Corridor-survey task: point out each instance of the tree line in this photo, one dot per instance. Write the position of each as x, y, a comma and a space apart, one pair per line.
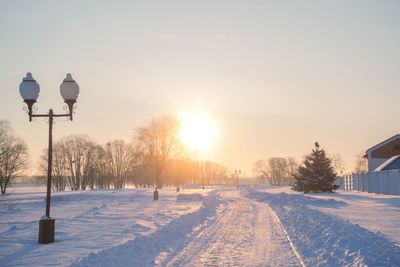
282, 171
80, 164
155, 157
276, 170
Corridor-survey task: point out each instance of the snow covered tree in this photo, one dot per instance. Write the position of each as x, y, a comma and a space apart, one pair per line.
316, 174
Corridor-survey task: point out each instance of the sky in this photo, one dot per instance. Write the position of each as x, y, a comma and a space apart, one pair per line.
275, 76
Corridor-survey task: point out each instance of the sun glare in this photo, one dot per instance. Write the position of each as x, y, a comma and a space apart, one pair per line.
198, 131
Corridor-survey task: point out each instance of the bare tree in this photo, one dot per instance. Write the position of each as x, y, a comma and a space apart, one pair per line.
260, 169
292, 166
120, 159
59, 175
13, 156
101, 174
276, 170
338, 163
159, 143
360, 164
74, 161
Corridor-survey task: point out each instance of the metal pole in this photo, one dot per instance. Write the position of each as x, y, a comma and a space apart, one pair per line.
50, 161
47, 225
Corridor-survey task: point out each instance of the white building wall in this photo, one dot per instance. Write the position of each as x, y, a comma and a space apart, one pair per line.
374, 163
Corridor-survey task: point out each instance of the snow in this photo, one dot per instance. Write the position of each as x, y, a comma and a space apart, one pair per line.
252, 226
190, 197
332, 237
245, 233
376, 212
87, 222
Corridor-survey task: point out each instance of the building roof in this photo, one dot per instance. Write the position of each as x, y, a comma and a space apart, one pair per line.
383, 166
385, 142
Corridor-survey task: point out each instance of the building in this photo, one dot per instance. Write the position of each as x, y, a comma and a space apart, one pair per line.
385, 155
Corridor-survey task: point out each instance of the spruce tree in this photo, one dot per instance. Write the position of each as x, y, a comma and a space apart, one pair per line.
316, 174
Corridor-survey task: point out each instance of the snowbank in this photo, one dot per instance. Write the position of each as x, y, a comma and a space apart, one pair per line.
87, 222
152, 249
324, 239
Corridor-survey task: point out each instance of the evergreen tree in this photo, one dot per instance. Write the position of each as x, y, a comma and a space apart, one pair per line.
316, 174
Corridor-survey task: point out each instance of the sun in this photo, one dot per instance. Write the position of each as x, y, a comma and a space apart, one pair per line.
197, 131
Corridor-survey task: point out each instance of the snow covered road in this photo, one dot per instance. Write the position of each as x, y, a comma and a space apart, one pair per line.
219, 226
245, 233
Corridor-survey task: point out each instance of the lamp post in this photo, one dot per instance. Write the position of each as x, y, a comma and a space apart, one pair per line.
237, 172
29, 90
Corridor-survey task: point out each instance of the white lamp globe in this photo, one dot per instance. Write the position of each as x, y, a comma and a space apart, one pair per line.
29, 89
69, 89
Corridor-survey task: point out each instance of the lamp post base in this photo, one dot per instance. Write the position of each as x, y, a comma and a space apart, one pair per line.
46, 231
155, 195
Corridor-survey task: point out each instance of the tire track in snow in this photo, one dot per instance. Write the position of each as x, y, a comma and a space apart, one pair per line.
246, 233
144, 250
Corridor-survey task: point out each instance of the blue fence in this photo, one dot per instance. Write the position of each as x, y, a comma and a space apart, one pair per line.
385, 182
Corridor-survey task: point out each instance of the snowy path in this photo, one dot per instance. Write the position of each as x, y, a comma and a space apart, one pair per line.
246, 233
219, 226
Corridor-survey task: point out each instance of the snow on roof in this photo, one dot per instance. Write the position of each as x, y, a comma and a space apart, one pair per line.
394, 137
387, 163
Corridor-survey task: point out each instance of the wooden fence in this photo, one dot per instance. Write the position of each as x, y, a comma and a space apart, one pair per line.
385, 182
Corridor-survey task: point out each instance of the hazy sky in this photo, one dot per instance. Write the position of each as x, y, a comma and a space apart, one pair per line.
275, 75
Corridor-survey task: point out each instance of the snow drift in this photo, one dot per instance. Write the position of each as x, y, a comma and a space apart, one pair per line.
326, 240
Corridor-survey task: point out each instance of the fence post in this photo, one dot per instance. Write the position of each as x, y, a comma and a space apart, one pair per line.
355, 182
397, 183
364, 182
387, 183
376, 183
380, 182
392, 182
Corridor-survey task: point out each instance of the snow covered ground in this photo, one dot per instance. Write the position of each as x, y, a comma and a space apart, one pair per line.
245, 233
86, 222
376, 212
340, 229
221, 226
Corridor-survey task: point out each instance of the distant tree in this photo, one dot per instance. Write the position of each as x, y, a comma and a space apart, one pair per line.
292, 166
13, 156
59, 168
360, 164
74, 159
260, 170
276, 170
337, 162
158, 143
316, 174
120, 159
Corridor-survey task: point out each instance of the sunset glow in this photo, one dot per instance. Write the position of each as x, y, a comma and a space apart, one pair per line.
198, 131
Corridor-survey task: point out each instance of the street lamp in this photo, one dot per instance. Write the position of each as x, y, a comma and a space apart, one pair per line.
29, 90
237, 172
